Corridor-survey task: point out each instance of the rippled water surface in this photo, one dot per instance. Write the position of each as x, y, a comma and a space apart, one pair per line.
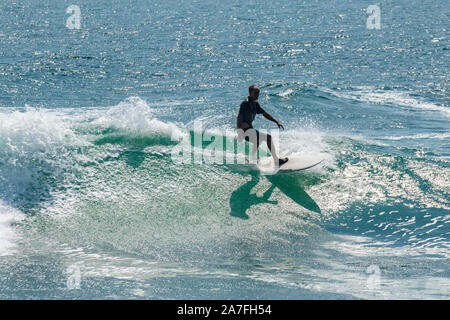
93, 206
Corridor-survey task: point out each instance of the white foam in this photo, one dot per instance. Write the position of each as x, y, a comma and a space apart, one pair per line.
440, 136
32, 137
135, 117
374, 180
31, 140
8, 236
392, 97
34, 129
305, 142
286, 93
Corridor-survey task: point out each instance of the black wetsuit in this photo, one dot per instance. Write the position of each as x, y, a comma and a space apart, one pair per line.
247, 112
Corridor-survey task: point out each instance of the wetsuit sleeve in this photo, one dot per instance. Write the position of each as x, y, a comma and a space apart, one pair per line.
259, 109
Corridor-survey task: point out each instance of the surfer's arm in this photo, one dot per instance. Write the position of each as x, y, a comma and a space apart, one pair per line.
269, 117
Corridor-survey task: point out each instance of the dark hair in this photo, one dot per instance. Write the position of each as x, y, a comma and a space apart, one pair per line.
252, 88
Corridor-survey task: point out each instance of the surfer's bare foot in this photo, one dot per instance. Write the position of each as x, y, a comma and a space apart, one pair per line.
282, 161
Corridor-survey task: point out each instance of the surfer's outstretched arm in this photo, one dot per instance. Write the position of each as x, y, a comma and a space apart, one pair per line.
269, 117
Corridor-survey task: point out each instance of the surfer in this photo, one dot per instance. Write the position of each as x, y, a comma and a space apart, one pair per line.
247, 112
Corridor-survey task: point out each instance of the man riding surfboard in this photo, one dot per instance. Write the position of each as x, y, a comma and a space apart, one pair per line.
247, 112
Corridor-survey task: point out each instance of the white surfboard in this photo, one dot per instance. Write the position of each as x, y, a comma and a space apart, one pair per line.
295, 163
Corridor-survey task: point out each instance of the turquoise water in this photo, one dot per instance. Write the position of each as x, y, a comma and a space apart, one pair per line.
93, 206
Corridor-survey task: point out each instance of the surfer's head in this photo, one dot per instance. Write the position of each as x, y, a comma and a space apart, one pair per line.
253, 92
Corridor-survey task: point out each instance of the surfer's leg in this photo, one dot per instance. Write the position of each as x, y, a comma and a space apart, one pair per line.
271, 147
253, 136
256, 143
255, 148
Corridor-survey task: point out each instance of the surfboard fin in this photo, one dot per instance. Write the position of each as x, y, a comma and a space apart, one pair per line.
282, 161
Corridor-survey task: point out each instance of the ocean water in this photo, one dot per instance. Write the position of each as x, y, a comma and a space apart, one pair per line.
92, 205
